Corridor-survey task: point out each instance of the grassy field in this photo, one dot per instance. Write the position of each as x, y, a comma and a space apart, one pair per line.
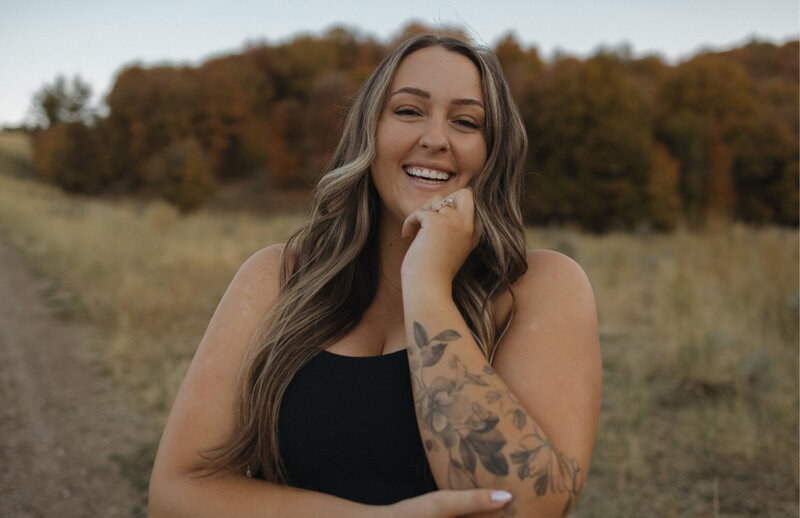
15, 153
699, 334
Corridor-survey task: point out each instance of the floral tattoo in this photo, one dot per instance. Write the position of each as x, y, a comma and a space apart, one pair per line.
466, 427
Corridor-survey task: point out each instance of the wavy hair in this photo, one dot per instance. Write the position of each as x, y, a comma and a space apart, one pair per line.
330, 266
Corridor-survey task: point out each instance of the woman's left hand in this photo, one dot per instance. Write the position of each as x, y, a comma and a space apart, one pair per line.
444, 234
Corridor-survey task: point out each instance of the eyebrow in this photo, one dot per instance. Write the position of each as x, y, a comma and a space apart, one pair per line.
426, 95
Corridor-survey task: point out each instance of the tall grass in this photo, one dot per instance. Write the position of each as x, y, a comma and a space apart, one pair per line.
699, 333
700, 349
149, 277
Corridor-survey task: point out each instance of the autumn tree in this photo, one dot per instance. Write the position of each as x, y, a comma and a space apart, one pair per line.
181, 175
591, 146
71, 155
663, 197
615, 141
702, 104
737, 154
523, 69
149, 110
324, 112
282, 137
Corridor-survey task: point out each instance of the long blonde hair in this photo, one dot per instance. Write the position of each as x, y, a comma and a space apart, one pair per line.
330, 266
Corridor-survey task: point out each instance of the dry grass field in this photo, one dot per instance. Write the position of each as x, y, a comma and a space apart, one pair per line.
699, 335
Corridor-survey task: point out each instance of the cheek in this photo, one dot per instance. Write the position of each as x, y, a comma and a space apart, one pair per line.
478, 157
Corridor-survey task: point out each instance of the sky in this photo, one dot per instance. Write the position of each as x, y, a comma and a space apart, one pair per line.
95, 39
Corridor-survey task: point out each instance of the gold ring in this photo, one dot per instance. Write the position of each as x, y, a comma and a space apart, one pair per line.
447, 202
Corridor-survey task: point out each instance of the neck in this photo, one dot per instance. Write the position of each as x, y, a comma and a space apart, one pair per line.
393, 249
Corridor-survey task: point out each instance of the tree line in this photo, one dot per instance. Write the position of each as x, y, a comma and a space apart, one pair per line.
616, 142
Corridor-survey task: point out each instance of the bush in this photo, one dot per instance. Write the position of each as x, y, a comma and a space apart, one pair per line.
70, 156
181, 175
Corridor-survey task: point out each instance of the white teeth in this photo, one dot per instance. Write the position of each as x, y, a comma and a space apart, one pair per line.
427, 173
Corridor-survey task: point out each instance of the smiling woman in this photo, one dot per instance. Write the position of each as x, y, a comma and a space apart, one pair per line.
402, 355
430, 138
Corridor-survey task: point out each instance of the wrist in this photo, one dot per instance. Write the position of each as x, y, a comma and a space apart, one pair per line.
430, 286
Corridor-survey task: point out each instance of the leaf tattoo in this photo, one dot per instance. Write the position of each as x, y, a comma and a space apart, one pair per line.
420, 336
467, 455
432, 354
519, 418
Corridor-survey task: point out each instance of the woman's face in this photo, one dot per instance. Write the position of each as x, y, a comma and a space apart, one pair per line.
430, 133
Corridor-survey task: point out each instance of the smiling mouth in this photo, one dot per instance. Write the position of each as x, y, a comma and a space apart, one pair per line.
431, 176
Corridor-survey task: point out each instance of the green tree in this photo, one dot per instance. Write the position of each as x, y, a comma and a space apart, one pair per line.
62, 101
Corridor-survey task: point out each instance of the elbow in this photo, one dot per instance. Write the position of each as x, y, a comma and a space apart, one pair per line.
528, 503
167, 492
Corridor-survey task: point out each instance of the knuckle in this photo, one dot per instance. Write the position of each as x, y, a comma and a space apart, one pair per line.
478, 498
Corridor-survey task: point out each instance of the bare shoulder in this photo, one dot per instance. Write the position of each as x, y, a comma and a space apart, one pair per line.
554, 310
555, 281
248, 299
258, 278
549, 265
263, 265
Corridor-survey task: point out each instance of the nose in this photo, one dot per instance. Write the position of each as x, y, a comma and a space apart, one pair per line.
434, 135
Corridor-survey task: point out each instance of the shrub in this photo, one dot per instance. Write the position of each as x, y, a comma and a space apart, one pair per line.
181, 175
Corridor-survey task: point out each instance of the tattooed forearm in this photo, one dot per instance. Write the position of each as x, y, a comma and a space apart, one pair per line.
460, 411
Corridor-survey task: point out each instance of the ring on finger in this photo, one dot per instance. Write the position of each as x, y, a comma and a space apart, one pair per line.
447, 202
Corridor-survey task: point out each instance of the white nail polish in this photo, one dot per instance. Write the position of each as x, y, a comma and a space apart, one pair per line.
501, 496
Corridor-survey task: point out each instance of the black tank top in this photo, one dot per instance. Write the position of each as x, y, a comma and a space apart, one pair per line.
347, 427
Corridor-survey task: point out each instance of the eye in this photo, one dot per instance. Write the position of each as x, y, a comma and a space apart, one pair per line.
467, 123
406, 110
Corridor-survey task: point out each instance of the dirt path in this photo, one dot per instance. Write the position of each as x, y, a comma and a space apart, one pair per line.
62, 420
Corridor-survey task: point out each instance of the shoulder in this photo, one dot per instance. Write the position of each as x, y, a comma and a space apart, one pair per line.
553, 304
247, 301
263, 268
257, 282
549, 263
554, 280
265, 262
553, 335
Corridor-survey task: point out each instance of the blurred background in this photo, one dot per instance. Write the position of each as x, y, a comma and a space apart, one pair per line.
148, 148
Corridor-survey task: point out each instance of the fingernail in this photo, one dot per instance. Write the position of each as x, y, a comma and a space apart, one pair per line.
501, 496
470, 188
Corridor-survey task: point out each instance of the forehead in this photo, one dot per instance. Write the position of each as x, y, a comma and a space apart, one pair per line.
441, 72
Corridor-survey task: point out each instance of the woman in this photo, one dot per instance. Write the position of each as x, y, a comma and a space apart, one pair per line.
403, 340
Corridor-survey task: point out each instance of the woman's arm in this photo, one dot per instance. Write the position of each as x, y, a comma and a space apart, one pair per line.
527, 423
203, 417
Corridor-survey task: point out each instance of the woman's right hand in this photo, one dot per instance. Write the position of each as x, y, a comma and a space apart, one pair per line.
449, 503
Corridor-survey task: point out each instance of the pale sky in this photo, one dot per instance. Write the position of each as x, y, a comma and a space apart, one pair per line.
96, 38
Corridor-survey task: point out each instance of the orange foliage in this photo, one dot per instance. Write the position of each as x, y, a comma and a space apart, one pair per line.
615, 142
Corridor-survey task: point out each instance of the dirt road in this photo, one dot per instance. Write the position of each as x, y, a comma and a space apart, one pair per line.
63, 422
